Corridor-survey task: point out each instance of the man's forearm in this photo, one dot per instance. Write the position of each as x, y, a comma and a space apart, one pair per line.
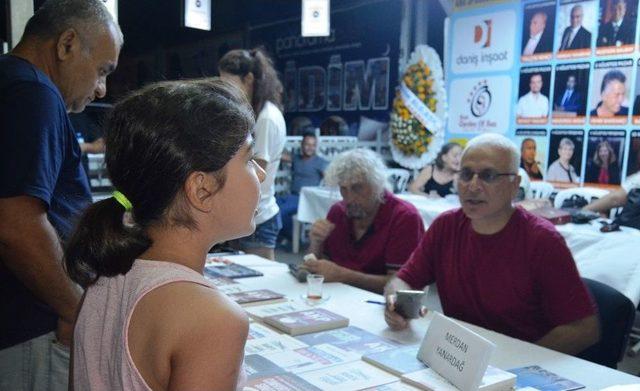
35, 257
371, 282
93, 147
572, 338
614, 199
316, 248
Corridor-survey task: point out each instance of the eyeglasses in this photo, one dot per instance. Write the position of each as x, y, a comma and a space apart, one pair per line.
486, 176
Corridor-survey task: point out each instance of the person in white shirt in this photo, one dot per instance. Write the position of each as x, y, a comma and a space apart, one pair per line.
561, 170
533, 104
253, 72
536, 41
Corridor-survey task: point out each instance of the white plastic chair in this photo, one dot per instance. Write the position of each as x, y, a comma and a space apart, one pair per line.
399, 179
541, 190
525, 183
589, 194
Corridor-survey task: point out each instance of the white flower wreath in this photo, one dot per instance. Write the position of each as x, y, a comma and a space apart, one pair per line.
412, 122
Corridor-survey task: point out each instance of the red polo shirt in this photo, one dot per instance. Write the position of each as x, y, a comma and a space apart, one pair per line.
521, 281
393, 235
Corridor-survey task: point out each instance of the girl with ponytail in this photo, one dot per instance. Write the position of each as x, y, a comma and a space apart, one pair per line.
253, 72
180, 156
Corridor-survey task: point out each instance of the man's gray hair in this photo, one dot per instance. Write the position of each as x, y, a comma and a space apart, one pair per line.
358, 165
56, 16
496, 141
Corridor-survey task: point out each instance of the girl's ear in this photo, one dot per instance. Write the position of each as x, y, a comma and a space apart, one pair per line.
199, 189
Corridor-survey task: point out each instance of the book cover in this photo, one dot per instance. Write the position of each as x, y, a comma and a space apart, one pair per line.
261, 312
231, 270
257, 296
543, 380
220, 281
257, 331
282, 382
311, 358
351, 338
398, 361
494, 379
276, 343
227, 285
308, 321
356, 375
256, 366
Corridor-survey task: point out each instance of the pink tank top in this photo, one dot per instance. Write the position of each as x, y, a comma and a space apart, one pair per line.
101, 357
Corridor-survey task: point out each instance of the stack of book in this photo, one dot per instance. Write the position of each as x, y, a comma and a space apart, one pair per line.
306, 321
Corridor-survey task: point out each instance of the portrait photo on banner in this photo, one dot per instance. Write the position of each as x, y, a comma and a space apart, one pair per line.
577, 22
565, 155
533, 146
533, 95
605, 154
538, 33
633, 164
570, 92
610, 89
635, 113
617, 27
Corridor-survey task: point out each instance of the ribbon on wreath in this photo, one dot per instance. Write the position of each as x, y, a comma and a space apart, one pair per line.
420, 110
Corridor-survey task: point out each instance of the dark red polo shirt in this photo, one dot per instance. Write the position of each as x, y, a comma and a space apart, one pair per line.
393, 235
521, 281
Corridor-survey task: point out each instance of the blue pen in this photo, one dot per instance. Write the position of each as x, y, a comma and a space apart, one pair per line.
376, 302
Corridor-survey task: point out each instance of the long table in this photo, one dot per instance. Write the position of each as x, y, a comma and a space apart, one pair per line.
611, 258
510, 352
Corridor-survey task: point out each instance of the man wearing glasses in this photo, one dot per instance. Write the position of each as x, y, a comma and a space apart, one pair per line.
496, 265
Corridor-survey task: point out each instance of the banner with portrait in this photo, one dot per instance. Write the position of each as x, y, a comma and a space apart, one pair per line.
572, 70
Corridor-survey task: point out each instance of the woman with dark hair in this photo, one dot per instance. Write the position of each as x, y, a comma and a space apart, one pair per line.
253, 72
437, 180
179, 155
602, 168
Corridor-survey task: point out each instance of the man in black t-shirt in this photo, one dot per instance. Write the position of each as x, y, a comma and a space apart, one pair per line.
60, 65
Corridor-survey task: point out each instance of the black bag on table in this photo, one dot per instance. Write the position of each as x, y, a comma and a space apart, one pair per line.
574, 202
630, 215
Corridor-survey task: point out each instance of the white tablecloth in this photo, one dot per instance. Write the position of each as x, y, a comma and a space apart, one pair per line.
510, 353
611, 258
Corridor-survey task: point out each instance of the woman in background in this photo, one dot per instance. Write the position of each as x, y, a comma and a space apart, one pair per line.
603, 167
252, 71
437, 180
179, 154
561, 169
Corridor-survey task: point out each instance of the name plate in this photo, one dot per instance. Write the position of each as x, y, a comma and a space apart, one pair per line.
455, 352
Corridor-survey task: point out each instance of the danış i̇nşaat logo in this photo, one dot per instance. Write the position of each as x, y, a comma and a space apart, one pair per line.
479, 99
476, 49
482, 34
